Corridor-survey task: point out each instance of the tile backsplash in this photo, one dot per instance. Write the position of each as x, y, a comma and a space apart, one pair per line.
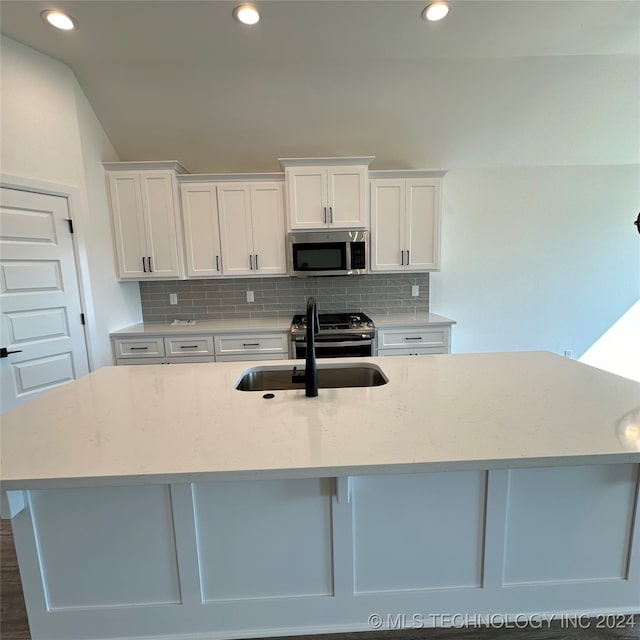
282, 297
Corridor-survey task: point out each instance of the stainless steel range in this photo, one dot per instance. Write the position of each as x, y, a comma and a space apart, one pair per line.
341, 335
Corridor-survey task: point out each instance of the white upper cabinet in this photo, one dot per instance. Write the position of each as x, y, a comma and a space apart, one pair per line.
146, 220
405, 223
326, 192
234, 228
201, 230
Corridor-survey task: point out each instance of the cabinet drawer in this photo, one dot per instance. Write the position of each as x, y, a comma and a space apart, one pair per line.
256, 344
135, 360
412, 339
247, 357
413, 351
138, 347
185, 346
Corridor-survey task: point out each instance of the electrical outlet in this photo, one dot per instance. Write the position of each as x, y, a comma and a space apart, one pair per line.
415, 290
173, 298
250, 296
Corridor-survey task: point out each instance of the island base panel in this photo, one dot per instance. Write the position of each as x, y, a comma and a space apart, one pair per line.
307, 556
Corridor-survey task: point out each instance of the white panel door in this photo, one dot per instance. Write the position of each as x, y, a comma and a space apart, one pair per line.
201, 230
234, 205
267, 218
347, 197
423, 224
387, 225
40, 319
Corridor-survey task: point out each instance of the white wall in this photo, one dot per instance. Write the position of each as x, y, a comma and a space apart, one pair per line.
50, 134
538, 246
618, 350
538, 257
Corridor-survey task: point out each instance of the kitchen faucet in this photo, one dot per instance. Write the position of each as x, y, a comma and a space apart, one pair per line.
310, 376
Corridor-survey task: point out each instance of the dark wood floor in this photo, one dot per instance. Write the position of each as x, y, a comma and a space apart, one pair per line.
13, 615
14, 625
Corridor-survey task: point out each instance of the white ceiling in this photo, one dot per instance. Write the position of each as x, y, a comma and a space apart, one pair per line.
180, 79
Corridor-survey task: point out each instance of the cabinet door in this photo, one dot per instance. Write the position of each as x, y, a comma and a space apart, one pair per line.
160, 224
387, 225
347, 197
201, 230
128, 224
267, 217
423, 224
234, 205
307, 197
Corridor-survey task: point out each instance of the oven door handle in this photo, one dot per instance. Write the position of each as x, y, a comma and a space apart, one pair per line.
342, 343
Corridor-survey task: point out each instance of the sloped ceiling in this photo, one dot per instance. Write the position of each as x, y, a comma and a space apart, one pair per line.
180, 79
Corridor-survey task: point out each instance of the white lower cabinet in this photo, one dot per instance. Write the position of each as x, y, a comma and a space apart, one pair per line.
189, 346
419, 340
200, 348
231, 348
163, 350
126, 349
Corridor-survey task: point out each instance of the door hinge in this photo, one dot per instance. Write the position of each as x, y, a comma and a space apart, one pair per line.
70, 221
82, 320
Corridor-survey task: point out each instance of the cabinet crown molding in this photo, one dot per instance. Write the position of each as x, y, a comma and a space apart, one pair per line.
316, 162
146, 165
407, 173
231, 177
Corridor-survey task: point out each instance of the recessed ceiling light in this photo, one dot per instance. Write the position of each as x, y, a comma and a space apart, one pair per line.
59, 19
246, 14
435, 11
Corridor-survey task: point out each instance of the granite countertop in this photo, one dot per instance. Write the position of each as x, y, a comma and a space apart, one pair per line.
253, 325
125, 425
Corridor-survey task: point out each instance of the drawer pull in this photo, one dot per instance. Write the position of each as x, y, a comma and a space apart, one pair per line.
250, 344
188, 346
138, 348
417, 338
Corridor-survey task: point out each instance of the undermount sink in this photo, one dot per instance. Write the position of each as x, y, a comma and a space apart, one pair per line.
330, 376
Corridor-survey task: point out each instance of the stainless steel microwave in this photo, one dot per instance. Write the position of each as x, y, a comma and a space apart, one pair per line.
329, 253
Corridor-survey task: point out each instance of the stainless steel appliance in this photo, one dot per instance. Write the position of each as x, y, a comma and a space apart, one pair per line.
341, 335
328, 253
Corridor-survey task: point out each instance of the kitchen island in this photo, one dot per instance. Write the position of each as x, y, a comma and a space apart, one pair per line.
162, 502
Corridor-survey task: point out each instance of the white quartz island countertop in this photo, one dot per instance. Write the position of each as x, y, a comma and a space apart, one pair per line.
128, 425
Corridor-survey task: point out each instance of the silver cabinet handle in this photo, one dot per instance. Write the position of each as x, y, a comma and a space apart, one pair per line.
217, 263
149, 261
188, 346
251, 262
331, 214
257, 262
325, 215
402, 257
418, 338
144, 266
250, 344
138, 348
408, 260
